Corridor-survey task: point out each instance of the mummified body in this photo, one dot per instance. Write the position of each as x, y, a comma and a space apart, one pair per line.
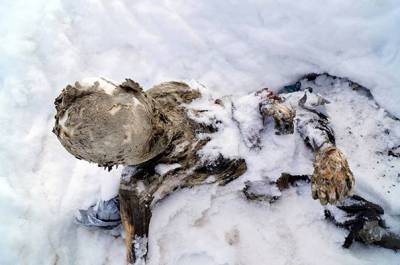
121, 124
126, 126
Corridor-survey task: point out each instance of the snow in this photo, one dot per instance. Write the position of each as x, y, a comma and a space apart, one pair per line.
247, 114
163, 169
101, 83
140, 249
191, 228
230, 47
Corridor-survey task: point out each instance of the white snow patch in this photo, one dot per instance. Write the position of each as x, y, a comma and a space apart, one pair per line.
106, 85
163, 169
140, 248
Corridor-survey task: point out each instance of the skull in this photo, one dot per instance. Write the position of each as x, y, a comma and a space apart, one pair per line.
108, 124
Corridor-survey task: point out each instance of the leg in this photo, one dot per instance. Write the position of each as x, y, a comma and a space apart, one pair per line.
135, 216
135, 195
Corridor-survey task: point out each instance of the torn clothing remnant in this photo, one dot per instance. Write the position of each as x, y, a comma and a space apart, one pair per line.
104, 214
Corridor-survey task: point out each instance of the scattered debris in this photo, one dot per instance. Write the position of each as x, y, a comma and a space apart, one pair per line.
262, 190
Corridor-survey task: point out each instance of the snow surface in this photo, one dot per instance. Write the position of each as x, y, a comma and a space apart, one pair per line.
163, 169
231, 47
107, 86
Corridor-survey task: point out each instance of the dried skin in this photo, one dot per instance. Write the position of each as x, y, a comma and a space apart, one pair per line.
182, 149
126, 126
272, 105
283, 116
332, 180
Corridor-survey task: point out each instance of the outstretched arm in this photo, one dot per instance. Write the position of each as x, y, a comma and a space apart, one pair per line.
332, 180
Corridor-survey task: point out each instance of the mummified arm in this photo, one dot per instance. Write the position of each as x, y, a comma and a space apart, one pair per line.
332, 180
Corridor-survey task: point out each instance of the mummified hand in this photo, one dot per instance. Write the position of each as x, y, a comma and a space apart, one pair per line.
332, 180
283, 116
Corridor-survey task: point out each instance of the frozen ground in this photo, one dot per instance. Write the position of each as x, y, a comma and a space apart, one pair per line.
231, 47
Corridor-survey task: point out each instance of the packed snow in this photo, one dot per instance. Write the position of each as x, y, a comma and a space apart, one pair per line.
101, 83
163, 169
223, 48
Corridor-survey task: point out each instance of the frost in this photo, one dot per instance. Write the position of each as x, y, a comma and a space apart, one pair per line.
101, 83
245, 110
140, 248
163, 169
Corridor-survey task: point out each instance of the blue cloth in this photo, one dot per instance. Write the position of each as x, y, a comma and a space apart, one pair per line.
104, 214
